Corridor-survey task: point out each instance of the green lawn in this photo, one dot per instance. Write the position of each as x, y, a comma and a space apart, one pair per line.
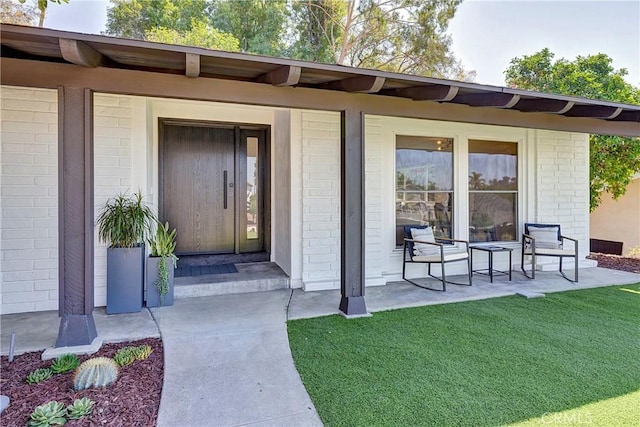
572, 357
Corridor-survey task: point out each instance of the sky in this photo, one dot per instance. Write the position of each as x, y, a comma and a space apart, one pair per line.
486, 34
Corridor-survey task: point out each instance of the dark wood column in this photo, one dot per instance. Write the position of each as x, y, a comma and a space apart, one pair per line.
75, 211
352, 213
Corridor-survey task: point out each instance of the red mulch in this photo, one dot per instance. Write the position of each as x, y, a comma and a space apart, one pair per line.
133, 400
617, 262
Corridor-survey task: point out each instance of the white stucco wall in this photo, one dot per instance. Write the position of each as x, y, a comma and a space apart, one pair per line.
29, 200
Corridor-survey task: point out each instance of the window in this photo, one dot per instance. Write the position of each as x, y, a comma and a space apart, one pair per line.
424, 184
493, 191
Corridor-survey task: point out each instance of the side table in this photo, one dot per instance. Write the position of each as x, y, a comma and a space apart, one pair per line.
490, 251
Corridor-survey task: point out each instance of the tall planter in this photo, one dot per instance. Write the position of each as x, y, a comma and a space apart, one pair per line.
152, 295
125, 275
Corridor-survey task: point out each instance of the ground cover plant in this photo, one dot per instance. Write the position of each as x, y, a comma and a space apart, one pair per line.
491, 362
132, 400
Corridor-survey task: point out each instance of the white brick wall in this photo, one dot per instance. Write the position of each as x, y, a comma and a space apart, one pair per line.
320, 200
29, 200
374, 265
562, 181
113, 131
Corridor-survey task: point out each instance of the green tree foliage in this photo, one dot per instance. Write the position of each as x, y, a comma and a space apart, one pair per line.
200, 34
407, 36
613, 160
258, 24
135, 18
17, 13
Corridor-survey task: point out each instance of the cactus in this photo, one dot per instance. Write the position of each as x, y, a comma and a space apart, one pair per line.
80, 408
96, 372
142, 352
125, 356
39, 375
49, 414
65, 363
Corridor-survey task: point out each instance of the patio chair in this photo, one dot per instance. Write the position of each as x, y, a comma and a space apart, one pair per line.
547, 240
421, 246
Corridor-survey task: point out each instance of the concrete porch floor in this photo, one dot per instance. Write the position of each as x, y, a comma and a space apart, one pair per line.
38, 331
400, 294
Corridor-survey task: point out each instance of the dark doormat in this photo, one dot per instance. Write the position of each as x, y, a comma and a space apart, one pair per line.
202, 270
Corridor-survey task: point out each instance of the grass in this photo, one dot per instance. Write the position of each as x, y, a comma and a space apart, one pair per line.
572, 356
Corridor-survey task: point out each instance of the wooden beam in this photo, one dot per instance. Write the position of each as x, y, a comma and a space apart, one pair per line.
495, 100
80, 53
361, 84
428, 93
543, 106
192, 65
19, 72
352, 191
594, 111
287, 75
75, 217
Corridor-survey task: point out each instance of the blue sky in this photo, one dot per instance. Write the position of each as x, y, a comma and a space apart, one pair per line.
486, 33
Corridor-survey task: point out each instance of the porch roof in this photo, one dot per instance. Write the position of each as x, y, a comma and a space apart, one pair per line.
87, 50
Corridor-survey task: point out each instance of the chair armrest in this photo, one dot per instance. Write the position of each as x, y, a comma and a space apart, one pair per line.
569, 238
454, 240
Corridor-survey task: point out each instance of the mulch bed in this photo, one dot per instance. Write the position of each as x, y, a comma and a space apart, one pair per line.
133, 400
617, 262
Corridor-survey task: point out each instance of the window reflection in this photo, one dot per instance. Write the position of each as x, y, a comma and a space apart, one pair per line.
424, 184
252, 188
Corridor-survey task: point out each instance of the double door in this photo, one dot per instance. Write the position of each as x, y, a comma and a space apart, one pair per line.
212, 188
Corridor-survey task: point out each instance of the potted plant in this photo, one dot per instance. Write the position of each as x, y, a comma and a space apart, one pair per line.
123, 225
160, 266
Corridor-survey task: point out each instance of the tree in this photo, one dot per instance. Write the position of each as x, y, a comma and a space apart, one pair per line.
201, 34
135, 18
258, 24
613, 160
42, 7
406, 36
16, 13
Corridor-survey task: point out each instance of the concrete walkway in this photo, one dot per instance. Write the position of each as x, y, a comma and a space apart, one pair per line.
228, 363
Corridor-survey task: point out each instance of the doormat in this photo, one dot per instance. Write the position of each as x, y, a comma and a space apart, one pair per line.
203, 270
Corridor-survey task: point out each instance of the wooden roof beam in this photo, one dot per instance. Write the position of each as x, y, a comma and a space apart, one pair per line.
80, 53
594, 111
543, 106
495, 100
427, 93
361, 84
192, 65
287, 75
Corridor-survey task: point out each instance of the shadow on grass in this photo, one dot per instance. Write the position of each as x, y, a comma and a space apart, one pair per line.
490, 362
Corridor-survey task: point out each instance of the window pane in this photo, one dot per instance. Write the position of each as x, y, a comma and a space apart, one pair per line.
493, 165
492, 216
424, 184
252, 188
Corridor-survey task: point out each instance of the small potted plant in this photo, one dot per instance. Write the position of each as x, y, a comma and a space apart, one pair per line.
123, 224
160, 266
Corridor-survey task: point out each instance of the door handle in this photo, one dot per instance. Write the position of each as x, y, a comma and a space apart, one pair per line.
224, 188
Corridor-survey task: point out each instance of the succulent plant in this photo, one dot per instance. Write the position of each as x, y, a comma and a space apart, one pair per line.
96, 372
142, 351
50, 414
80, 408
39, 375
125, 356
65, 363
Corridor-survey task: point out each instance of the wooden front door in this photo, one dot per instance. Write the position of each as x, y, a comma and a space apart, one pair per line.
197, 170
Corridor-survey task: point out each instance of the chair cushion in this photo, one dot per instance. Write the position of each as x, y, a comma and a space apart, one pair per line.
546, 237
425, 235
551, 252
448, 256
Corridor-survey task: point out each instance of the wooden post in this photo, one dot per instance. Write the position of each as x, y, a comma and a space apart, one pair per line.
75, 207
352, 302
